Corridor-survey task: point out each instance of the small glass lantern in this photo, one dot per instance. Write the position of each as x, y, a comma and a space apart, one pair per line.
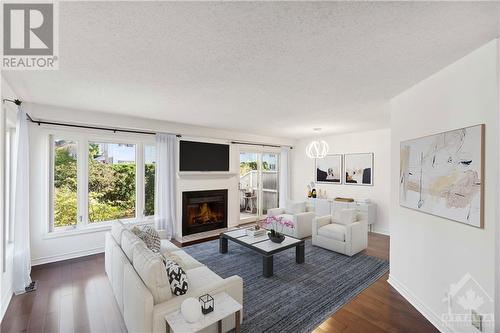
207, 303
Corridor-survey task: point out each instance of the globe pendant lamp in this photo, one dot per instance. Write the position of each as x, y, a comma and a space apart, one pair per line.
317, 148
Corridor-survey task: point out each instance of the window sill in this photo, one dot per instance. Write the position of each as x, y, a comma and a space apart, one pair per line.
90, 229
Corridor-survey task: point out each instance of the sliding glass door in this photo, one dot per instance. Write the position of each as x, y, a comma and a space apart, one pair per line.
269, 177
258, 185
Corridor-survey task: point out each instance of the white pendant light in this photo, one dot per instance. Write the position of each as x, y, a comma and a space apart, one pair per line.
317, 148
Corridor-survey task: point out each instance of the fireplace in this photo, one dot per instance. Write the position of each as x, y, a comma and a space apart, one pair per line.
203, 211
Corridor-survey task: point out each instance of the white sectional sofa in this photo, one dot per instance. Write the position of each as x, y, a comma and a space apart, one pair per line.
141, 287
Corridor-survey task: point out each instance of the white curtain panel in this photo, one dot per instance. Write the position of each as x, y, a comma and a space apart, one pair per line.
22, 255
165, 189
284, 189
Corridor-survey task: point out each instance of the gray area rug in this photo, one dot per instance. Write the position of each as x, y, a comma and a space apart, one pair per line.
298, 297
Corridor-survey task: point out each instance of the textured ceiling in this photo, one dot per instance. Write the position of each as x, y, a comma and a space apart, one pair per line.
273, 68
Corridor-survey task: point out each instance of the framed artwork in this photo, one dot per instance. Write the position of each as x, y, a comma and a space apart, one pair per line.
358, 169
442, 174
329, 169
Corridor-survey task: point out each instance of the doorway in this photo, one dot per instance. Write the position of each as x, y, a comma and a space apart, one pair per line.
258, 185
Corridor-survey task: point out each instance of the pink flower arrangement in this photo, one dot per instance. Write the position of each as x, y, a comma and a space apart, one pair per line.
274, 222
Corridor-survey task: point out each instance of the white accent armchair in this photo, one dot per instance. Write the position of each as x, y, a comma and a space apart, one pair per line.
298, 214
346, 232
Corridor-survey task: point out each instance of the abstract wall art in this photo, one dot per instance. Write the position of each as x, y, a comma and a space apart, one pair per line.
442, 174
358, 169
329, 169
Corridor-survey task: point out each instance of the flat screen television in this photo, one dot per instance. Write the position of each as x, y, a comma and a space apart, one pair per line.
203, 156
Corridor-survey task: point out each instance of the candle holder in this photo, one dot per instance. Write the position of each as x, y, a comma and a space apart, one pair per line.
207, 303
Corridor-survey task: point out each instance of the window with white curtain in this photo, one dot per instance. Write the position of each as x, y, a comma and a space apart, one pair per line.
96, 179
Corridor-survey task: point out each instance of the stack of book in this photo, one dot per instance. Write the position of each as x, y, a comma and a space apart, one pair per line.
256, 232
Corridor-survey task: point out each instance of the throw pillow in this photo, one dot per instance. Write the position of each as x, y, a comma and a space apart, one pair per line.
347, 216
149, 236
176, 277
153, 238
174, 257
136, 231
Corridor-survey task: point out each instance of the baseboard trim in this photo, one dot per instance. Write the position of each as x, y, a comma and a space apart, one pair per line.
430, 315
6, 297
381, 232
66, 256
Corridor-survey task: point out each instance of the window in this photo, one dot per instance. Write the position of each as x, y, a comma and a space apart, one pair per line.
95, 180
65, 182
111, 181
149, 179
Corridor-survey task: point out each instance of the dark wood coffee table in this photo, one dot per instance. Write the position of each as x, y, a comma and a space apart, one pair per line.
263, 246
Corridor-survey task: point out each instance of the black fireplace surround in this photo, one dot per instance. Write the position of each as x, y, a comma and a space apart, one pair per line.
203, 211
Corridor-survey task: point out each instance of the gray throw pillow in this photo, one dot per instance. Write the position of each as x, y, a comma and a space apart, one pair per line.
149, 236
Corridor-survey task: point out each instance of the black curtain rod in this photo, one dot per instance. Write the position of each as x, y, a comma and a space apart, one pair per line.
256, 144
15, 101
114, 130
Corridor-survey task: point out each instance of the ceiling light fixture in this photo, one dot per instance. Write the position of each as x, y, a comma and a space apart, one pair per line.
317, 148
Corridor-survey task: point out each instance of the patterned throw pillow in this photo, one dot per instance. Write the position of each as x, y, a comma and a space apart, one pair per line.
174, 257
176, 277
153, 238
149, 236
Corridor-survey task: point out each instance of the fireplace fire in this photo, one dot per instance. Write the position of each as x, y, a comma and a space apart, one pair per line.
203, 211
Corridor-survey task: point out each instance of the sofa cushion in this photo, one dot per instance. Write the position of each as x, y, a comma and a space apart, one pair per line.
118, 264
167, 246
199, 277
129, 240
117, 228
295, 207
183, 259
151, 269
347, 216
176, 277
333, 231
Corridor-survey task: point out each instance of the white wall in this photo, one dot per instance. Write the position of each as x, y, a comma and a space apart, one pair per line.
377, 142
47, 247
429, 253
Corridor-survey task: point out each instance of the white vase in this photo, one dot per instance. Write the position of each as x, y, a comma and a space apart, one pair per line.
191, 310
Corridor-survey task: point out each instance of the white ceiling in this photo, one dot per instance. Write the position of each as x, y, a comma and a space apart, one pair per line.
272, 68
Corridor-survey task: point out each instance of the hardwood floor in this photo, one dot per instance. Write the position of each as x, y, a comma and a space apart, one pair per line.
75, 296
379, 308
72, 296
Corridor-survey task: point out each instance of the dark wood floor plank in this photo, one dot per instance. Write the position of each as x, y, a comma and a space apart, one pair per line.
76, 296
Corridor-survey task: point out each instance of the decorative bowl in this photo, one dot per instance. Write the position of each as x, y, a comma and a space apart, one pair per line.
276, 239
